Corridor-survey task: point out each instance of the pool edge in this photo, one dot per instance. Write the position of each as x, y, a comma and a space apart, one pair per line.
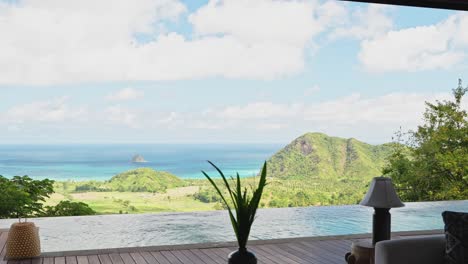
227, 244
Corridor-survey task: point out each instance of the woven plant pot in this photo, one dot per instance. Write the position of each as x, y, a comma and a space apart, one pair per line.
23, 241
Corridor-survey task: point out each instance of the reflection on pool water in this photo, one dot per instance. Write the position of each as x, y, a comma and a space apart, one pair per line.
116, 231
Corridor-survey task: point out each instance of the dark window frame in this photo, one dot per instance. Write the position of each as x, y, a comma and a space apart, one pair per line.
441, 4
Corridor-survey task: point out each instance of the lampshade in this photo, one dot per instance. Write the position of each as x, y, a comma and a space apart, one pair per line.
381, 194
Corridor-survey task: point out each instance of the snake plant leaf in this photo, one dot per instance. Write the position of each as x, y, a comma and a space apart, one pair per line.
245, 204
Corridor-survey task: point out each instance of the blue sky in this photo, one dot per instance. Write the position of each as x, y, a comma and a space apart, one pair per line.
221, 71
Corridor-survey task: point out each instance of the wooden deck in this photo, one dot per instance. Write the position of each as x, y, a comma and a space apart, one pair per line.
320, 250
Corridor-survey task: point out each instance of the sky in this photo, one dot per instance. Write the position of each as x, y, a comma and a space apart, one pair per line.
263, 71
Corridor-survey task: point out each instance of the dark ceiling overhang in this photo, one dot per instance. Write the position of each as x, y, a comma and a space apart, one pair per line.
442, 4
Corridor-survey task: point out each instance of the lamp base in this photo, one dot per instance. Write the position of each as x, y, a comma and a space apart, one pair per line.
381, 225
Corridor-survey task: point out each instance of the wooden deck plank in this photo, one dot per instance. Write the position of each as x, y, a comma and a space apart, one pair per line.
195, 258
160, 258
115, 258
292, 247
265, 256
330, 257
37, 260
182, 258
149, 258
71, 260
170, 257
104, 259
342, 247
318, 254
213, 256
202, 256
138, 258
126, 258
339, 252
94, 259
323, 250
219, 253
59, 260
25, 261
48, 261
303, 253
3, 239
342, 244
82, 260
275, 251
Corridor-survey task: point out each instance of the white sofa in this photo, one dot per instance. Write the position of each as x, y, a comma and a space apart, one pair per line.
420, 250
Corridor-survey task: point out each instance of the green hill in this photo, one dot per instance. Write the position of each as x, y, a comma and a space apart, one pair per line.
316, 155
144, 180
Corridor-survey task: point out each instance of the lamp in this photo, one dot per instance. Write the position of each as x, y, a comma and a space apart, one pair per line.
382, 196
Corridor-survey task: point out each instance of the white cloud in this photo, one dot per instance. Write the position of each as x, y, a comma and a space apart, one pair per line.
259, 110
125, 95
349, 110
332, 13
373, 119
365, 23
439, 46
312, 90
383, 110
50, 111
289, 23
383, 48
54, 41
119, 115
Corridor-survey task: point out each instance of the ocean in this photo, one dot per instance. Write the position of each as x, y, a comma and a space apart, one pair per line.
101, 162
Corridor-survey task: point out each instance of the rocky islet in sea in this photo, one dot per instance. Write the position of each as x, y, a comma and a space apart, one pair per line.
138, 159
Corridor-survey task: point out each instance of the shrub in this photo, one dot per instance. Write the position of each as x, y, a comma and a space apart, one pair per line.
68, 208
22, 196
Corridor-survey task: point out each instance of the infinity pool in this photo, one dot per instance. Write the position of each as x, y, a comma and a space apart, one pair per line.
115, 231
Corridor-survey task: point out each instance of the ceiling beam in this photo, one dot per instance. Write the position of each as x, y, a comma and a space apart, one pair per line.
441, 4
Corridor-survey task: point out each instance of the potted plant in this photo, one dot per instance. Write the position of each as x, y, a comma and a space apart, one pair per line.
22, 197
245, 204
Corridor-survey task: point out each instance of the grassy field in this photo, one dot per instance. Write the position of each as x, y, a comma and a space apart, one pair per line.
174, 200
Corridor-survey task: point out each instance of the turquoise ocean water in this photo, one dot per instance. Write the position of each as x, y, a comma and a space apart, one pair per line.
101, 162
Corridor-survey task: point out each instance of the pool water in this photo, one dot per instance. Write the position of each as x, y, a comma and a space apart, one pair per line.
116, 231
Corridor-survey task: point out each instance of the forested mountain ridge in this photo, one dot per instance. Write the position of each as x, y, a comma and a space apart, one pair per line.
316, 155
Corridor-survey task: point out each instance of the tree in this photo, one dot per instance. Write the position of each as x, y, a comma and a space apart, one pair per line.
23, 197
68, 208
433, 164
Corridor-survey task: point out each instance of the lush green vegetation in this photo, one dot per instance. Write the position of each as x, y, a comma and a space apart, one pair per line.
68, 208
318, 156
296, 193
23, 197
178, 199
431, 163
351, 163
199, 195
138, 180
